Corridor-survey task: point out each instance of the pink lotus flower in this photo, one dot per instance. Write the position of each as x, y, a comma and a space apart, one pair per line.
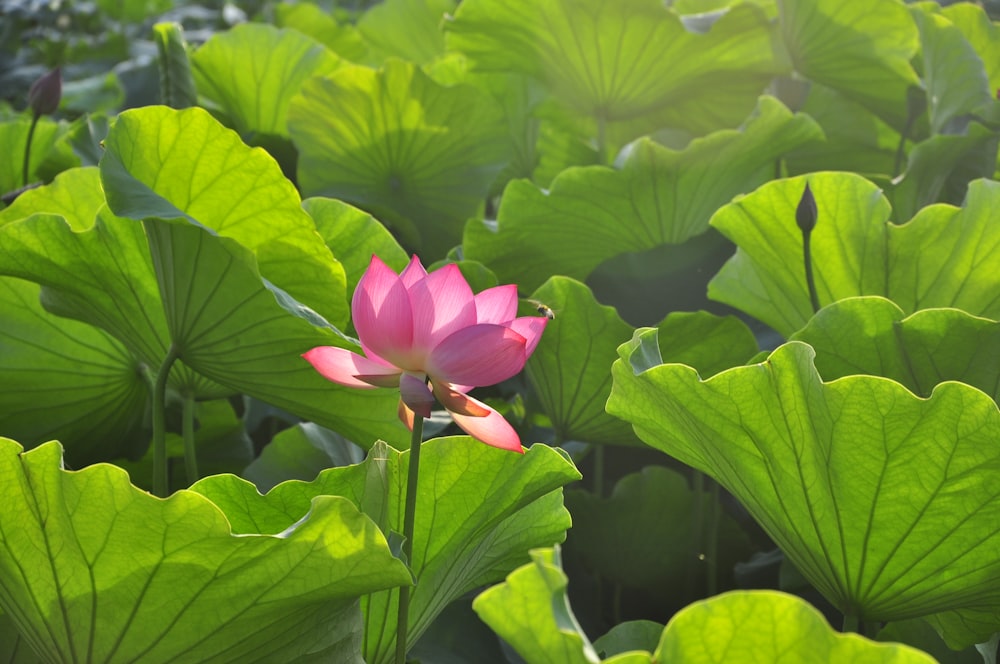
430, 336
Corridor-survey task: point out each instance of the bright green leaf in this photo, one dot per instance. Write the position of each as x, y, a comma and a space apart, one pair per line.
97, 570
75, 195
873, 336
310, 20
300, 453
629, 636
707, 343
570, 367
659, 196
354, 236
944, 257
66, 380
418, 155
862, 50
252, 71
982, 33
628, 61
883, 500
133, 10
406, 29
177, 89
44, 144
531, 612
479, 509
166, 163
769, 626
207, 297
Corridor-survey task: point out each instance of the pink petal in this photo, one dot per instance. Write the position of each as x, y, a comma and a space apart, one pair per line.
477, 355
382, 314
406, 416
345, 368
457, 401
491, 428
413, 391
497, 305
531, 328
442, 303
413, 272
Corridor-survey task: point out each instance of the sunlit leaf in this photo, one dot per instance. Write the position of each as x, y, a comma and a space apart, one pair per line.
407, 29
341, 38
96, 569
252, 71
66, 380
658, 196
873, 336
883, 500
944, 257
418, 155
627, 61
13, 135
862, 50
177, 88
300, 453
479, 510
166, 163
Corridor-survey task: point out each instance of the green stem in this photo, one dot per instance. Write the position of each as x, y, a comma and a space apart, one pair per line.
850, 623
697, 534
810, 279
27, 148
601, 139
598, 486
712, 545
409, 512
160, 479
190, 455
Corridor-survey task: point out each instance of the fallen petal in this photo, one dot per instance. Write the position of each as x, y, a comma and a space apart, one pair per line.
346, 368
478, 355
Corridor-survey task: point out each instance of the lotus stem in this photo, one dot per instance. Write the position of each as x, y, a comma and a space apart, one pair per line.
187, 431
712, 544
810, 279
27, 148
598, 487
160, 477
851, 623
410, 508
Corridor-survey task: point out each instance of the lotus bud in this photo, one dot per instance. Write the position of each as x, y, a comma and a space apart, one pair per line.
45, 93
806, 213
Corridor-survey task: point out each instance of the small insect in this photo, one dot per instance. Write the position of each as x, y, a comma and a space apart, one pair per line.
543, 309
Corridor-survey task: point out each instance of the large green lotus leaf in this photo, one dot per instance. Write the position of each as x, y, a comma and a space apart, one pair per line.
863, 50
857, 140
625, 60
98, 570
133, 10
341, 38
530, 610
479, 510
953, 73
659, 196
300, 453
886, 502
354, 236
982, 33
570, 367
45, 142
177, 88
705, 342
75, 195
252, 71
644, 535
940, 168
166, 163
769, 626
942, 258
13, 648
419, 155
66, 380
871, 335
919, 634
407, 29
161, 282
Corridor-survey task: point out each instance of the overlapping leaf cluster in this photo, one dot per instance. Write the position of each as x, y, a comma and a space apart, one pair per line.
606, 156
